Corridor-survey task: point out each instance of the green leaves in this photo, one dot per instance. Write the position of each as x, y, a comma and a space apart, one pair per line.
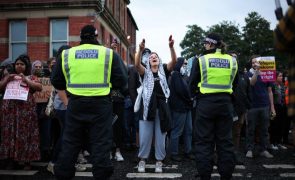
255, 37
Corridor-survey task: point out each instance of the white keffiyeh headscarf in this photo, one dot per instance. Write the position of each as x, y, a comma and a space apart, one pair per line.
148, 84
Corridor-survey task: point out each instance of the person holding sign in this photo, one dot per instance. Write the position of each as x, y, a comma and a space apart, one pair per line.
19, 123
259, 113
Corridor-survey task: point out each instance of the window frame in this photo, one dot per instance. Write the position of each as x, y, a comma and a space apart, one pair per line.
11, 42
51, 41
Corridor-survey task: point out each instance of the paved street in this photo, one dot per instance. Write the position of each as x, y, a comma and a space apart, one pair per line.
282, 166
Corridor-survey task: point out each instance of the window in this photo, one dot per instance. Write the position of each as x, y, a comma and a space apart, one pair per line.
18, 38
58, 35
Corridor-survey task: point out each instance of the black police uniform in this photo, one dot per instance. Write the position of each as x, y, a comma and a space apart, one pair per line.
213, 128
91, 114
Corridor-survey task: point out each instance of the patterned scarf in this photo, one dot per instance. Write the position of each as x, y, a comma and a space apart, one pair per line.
148, 86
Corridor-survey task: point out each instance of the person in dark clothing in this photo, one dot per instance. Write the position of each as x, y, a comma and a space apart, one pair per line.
118, 96
180, 102
284, 36
87, 72
214, 77
242, 100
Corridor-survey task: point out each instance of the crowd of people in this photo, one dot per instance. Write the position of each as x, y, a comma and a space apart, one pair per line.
210, 105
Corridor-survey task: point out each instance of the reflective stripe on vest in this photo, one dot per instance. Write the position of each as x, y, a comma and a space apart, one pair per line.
209, 87
87, 70
98, 85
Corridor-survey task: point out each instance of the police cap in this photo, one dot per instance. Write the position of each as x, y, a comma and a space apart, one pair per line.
213, 39
88, 31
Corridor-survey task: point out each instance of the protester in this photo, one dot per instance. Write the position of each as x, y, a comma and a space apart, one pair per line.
19, 123
118, 96
155, 94
242, 100
259, 113
284, 35
181, 103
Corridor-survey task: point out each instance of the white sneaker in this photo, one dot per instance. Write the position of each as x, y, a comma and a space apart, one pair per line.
266, 154
249, 154
81, 159
86, 153
274, 147
158, 168
80, 167
282, 147
118, 156
50, 167
141, 166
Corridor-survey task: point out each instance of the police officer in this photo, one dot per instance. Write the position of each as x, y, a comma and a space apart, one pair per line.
87, 72
212, 79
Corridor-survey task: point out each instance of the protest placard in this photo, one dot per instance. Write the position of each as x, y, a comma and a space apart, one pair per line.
43, 96
16, 89
267, 68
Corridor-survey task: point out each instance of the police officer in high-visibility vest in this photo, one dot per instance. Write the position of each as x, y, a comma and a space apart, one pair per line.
87, 72
212, 79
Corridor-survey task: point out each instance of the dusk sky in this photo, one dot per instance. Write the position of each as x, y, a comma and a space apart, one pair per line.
157, 19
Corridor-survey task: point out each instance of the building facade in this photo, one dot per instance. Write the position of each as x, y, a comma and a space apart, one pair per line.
39, 28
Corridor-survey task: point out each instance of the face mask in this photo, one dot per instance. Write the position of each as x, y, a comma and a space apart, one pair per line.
183, 70
145, 58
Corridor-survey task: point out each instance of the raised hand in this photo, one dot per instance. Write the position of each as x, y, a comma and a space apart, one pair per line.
142, 45
171, 41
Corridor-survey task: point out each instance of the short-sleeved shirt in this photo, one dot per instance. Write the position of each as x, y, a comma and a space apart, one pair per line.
259, 93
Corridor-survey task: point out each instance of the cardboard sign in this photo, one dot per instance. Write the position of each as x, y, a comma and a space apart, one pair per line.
44, 95
16, 89
267, 68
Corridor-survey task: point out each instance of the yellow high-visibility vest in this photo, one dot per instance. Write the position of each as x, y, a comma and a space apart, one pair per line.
87, 69
217, 73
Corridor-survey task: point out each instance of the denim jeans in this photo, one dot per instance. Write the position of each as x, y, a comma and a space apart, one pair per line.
181, 124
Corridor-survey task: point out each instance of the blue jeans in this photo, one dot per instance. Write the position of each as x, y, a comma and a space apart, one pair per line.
181, 124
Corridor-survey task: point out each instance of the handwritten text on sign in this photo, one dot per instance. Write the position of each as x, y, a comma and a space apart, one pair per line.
14, 90
267, 68
43, 96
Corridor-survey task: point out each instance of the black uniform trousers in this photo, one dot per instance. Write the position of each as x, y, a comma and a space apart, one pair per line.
92, 116
214, 128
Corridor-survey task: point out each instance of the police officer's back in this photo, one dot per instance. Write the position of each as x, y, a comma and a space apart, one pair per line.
212, 78
87, 72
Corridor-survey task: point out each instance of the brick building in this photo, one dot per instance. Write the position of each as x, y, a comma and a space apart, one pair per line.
38, 28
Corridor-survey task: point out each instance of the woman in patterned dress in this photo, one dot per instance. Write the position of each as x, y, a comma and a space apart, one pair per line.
19, 123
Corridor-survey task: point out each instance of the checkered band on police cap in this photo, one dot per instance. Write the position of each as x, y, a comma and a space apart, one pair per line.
213, 38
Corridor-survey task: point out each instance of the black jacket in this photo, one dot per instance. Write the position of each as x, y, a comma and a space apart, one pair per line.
180, 98
242, 94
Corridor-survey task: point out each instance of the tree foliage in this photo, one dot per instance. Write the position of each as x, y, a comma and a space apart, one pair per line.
192, 44
255, 37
